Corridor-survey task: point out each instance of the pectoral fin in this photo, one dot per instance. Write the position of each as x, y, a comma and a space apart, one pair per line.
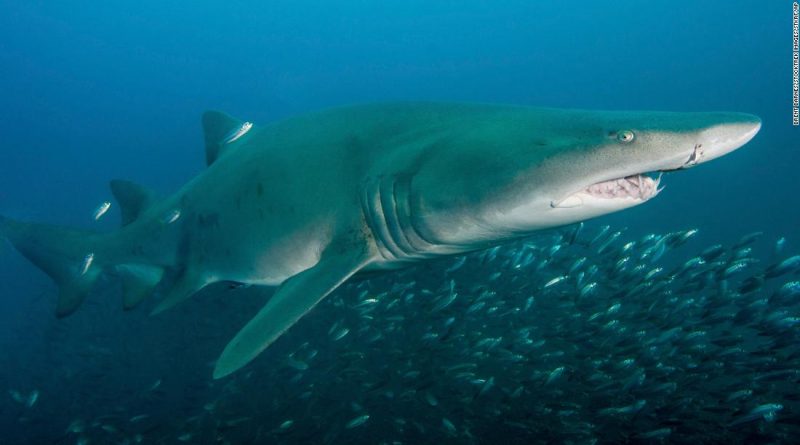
296, 296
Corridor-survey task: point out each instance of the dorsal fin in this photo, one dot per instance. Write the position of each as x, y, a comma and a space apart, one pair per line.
220, 131
133, 199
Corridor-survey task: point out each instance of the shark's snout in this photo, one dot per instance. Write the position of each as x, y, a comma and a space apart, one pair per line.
721, 139
631, 183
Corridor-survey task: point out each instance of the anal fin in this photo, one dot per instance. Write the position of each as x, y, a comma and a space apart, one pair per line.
293, 299
186, 285
138, 282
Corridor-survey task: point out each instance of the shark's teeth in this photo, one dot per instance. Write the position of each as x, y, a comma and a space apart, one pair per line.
636, 186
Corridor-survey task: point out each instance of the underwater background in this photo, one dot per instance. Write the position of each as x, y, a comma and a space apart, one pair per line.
684, 342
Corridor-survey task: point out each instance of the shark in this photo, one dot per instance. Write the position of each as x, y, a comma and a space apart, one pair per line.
306, 203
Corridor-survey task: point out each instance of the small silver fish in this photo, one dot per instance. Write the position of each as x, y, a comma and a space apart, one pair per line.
688, 234
603, 231
172, 216
633, 408
476, 307
76, 426
365, 303
237, 421
358, 421
457, 265
239, 132
653, 272
783, 267
296, 364
340, 334
101, 210
554, 375
528, 304
431, 399
586, 290
138, 418
448, 425
32, 398
779, 245
444, 302
740, 394
767, 412
576, 265
555, 281
486, 386
656, 434
87, 263
790, 289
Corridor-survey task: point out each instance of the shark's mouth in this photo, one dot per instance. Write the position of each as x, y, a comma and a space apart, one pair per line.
629, 190
640, 187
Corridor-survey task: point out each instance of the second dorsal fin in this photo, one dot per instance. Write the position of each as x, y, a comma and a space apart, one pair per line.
221, 131
133, 199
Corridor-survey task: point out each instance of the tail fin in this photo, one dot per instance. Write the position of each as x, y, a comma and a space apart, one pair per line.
66, 255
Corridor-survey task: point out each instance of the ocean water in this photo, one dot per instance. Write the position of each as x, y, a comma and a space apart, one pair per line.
683, 342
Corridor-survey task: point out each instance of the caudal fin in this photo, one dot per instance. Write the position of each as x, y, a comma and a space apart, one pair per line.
66, 255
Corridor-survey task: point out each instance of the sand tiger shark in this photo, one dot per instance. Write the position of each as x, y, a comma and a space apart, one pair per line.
308, 202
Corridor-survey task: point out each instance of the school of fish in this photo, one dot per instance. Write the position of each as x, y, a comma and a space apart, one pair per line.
585, 335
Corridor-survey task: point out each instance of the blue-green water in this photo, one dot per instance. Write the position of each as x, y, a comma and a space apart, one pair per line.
705, 354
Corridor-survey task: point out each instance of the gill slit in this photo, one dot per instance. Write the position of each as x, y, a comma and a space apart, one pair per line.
386, 206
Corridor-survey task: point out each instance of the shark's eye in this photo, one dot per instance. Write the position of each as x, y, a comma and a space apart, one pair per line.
625, 136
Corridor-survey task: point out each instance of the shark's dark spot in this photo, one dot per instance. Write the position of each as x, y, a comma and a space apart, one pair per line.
260, 189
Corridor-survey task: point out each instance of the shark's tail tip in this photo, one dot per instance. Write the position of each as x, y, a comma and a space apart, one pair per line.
66, 255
